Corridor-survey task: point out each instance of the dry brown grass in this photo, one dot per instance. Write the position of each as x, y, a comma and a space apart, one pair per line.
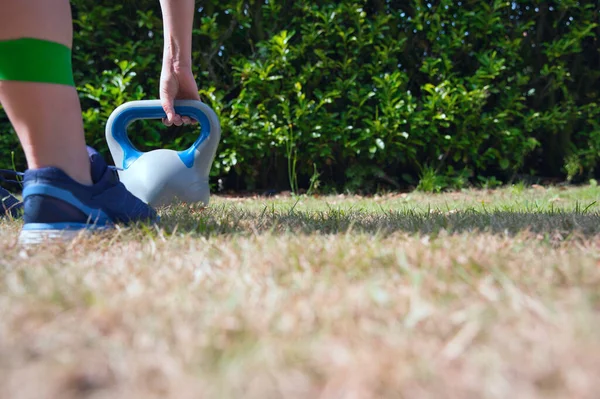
405, 296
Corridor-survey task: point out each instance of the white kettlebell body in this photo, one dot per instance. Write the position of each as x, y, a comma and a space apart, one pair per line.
160, 177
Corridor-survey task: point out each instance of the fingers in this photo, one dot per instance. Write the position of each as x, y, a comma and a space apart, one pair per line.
189, 121
172, 117
186, 120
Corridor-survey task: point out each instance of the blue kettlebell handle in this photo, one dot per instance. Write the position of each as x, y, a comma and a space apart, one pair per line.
125, 114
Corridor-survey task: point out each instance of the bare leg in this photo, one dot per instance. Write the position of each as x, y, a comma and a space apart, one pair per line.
46, 117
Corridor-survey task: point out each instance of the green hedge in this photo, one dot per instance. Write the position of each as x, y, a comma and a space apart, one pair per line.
361, 95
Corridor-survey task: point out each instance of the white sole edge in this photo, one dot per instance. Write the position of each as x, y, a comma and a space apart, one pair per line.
36, 237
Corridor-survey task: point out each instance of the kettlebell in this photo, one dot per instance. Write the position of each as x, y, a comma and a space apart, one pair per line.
161, 177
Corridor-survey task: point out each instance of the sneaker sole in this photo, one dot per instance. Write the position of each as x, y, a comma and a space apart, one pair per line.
30, 235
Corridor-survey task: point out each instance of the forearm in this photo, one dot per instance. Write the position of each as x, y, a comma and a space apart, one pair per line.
178, 20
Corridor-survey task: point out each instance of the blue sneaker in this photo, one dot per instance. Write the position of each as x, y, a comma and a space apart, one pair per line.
9, 204
56, 206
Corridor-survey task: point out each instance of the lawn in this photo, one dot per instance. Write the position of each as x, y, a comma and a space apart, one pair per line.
473, 294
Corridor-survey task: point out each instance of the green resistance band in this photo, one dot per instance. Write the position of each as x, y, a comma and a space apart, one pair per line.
35, 60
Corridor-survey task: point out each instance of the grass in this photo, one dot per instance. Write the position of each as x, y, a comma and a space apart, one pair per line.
476, 294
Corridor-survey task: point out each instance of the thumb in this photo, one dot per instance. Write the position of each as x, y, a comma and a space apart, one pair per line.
167, 104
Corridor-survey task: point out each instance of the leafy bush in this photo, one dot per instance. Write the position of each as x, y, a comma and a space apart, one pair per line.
363, 95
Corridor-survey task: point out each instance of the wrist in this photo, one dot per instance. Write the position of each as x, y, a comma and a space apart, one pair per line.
177, 54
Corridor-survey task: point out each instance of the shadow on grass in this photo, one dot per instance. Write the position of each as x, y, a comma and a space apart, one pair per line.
222, 220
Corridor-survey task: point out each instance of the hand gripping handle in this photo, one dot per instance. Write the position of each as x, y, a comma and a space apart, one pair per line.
122, 149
